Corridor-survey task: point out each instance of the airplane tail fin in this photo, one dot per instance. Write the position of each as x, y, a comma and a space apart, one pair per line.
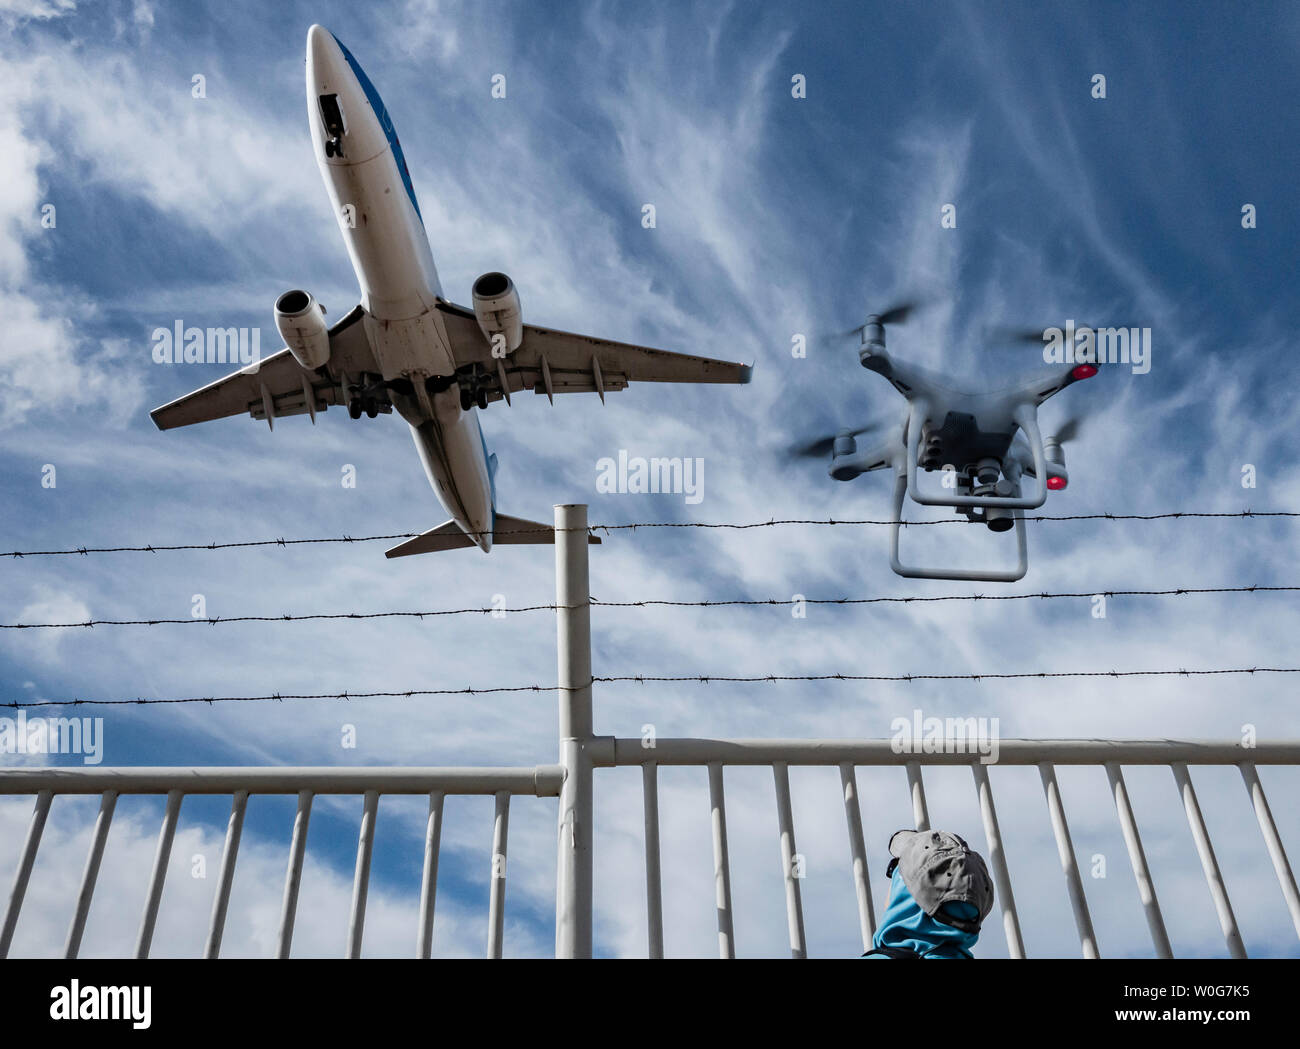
508, 531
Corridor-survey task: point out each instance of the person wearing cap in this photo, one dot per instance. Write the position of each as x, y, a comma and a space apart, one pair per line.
939, 895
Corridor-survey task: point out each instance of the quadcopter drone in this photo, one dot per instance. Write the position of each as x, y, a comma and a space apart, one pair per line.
984, 444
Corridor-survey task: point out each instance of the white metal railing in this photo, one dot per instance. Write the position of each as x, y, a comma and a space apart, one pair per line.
847, 755
572, 779
306, 783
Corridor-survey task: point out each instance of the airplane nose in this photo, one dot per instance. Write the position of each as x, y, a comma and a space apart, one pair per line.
343, 107
322, 49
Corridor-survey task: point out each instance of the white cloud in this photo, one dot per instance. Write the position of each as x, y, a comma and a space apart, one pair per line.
35, 10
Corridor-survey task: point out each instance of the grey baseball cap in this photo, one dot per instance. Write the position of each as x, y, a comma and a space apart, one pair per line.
939, 868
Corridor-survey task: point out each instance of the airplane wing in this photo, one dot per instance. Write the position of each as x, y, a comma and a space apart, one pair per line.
551, 362
277, 385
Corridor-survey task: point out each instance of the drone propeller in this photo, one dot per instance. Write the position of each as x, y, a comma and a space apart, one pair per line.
1000, 337
823, 446
1068, 430
896, 314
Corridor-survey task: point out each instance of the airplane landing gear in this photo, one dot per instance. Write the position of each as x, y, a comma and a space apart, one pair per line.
363, 404
472, 393
368, 399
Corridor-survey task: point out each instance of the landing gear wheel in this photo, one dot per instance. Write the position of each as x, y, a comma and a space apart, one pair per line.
466, 401
371, 410
482, 399
354, 408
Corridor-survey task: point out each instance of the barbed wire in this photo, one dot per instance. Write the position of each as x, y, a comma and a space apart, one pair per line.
154, 548
704, 679
650, 603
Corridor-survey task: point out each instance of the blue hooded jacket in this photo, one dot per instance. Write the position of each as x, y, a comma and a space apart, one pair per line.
905, 925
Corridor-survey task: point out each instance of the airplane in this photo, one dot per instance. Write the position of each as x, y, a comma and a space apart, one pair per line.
406, 347
983, 443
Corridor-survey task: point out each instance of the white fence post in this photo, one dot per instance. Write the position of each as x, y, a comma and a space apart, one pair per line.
573, 888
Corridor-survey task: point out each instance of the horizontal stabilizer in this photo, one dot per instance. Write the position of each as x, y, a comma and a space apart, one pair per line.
447, 536
508, 531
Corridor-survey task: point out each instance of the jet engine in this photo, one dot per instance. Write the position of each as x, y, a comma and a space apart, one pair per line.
496, 307
300, 320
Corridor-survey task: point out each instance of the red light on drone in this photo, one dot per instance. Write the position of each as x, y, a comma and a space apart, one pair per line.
1083, 371
1056, 483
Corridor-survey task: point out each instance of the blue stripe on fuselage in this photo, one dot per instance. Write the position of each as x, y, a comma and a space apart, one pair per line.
492, 479
385, 122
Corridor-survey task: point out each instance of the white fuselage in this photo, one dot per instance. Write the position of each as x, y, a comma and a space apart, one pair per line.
375, 205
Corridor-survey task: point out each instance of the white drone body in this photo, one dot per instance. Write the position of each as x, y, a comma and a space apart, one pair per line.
971, 437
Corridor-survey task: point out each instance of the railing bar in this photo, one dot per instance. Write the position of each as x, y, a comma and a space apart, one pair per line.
734, 753
1138, 860
793, 900
293, 875
721, 864
858, 852
1281, 866
159, 875
361, 878
1069, 864
653, 871
107, 803
229, 854
532, 780
1001, 875
916, 785
497, 892
1210, 865
429, 882
30, 847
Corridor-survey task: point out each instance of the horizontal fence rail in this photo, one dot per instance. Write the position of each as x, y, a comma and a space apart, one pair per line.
1045, 755
305, 783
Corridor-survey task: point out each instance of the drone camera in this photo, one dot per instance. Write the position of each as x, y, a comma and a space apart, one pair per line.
999, 520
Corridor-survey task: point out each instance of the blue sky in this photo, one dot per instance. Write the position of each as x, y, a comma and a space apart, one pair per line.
775, 216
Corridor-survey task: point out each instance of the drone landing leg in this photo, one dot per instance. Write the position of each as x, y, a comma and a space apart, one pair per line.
1009, 575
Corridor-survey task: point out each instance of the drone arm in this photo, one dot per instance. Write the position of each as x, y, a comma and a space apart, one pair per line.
1048, 382
905, 377
855, 463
